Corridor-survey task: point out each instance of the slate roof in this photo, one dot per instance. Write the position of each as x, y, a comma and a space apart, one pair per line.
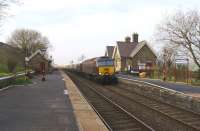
131, 49
139, 47
125, 49
109, 50
38, 52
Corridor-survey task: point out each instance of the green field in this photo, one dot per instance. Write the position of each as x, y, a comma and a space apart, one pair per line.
4, 70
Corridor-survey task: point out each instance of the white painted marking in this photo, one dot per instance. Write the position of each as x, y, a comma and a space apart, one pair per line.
66, 92
5, 88
152, 85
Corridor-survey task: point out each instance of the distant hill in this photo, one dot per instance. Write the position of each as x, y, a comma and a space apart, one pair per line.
7, 51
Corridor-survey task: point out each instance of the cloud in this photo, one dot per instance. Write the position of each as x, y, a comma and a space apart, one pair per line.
77, 27
89, 34
52, 5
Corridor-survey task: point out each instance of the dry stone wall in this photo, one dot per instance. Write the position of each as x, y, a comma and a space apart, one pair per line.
165, 95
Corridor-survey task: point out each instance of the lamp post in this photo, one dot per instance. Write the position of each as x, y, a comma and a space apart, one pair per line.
26, 65
26, 61
165, 66
43, 64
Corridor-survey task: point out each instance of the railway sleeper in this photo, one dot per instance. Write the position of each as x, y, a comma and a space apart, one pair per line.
174, 113
127, 126
182, 117
195, 123
110, 112
196, 120
136, 129
115, 117
120, 121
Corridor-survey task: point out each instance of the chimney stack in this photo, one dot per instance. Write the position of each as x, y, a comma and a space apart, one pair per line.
128, 39
135, 37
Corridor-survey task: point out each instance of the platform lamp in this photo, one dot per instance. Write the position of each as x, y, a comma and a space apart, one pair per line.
26, 66
26, 60
43, 50
165, 65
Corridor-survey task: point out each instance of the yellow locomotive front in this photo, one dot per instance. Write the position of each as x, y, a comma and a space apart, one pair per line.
106, 69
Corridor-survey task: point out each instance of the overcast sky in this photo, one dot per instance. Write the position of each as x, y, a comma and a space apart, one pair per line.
76, 27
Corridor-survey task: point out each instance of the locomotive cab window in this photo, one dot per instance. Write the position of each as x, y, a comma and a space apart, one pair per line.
105, 62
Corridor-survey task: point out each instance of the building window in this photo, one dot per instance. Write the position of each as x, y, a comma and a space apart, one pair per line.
141, 66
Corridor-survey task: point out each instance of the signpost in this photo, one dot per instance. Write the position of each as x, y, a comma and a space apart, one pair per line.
182, 61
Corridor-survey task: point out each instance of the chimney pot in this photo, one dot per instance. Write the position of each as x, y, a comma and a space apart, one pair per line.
135, 37
127, 39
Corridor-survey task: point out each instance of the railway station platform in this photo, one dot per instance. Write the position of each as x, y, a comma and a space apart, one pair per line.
86, 117
47, 106
184, 88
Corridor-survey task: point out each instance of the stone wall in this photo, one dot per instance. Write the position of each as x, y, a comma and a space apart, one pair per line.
171, 97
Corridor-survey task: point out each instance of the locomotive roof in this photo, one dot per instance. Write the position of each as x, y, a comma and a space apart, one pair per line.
103, 57
88, 60
96, 58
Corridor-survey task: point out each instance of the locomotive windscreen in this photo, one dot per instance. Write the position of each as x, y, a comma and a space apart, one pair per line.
105, 62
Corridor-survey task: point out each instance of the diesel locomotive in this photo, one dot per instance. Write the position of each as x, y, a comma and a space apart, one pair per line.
100, 69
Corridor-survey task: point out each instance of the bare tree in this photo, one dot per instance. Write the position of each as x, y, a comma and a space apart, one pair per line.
28, 40
71, 62
183, 29
168, 54
4, 4
81, 58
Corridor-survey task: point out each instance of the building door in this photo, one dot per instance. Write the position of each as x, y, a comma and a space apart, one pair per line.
42, 67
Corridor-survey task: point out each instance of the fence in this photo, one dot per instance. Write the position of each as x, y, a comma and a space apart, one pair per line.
9, 80
178, 74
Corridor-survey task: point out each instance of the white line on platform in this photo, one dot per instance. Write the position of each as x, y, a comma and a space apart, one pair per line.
162, 87
66, 92
5, 88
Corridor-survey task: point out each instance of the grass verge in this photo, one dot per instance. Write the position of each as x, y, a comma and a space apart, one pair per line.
22, 81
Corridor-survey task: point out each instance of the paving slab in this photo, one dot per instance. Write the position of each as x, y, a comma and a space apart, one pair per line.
41, 106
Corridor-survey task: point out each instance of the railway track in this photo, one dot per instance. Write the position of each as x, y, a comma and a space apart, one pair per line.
172, 118
185, 117
114, 116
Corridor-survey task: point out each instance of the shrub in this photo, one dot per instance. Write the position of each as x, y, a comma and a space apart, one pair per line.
11, 64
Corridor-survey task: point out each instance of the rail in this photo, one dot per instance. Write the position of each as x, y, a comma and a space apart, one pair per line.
113, 115
176, 117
